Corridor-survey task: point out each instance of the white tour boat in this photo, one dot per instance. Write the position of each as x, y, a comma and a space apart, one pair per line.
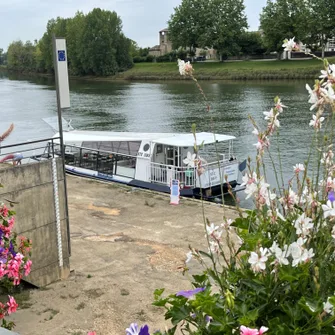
153, 160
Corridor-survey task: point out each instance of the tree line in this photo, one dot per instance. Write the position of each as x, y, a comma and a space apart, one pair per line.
222, 25
96, 45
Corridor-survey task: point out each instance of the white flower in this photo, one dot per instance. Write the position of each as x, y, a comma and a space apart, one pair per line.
298, 168
214, 247
265, 195
189, 256
313, 98
181, 65
184, 68
255, 132
327, 157
290, 199
272, 117
258, 261
211, 228
250, 190
329, 209
190, 160
213, 231
316, 122
280, 106
248, 179
328, 307
262, 143
303, 225
307, 255
274, 247
281, 255
324, 74
227, 224
296, 250
289, 45
329, 93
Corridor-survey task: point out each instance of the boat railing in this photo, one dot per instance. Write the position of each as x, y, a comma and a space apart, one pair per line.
187, 176
163, 174
106, 162
30, 150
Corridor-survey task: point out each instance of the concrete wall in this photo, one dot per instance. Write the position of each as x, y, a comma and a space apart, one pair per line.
31, 187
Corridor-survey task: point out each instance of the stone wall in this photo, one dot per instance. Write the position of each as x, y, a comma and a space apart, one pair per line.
31, 187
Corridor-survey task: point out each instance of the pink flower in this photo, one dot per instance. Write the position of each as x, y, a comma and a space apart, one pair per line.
4, 211
248, 331
12, 305
2, 270
91, 333
27, 267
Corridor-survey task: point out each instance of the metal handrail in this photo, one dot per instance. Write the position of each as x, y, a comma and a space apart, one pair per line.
30, 142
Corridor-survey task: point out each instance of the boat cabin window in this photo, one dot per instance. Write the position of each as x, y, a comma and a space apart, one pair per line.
222, 150
121, 147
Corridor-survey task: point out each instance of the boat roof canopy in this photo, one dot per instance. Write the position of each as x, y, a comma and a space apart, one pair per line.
188, 140
173, 139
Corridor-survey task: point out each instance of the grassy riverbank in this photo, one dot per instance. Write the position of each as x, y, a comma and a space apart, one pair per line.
240, 70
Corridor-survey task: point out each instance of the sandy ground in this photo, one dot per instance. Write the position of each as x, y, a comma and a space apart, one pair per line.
125, 243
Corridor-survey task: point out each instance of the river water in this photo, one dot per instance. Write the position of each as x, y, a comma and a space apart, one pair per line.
162, 107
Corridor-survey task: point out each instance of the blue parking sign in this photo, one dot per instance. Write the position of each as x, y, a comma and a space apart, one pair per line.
61, 56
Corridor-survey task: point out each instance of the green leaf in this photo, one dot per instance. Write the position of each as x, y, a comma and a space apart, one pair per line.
242, 223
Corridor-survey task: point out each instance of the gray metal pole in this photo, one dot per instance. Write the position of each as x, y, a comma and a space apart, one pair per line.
60, 125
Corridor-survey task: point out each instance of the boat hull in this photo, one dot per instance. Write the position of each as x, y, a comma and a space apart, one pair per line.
208, 193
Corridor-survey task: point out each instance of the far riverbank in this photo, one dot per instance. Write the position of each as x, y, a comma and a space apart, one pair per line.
238, 70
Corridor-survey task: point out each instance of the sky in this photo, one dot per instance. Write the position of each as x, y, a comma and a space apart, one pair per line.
142, 19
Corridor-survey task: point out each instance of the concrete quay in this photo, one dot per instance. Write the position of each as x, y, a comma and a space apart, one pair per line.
125, 243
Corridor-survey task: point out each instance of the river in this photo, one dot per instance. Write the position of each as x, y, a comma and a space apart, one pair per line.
162, 107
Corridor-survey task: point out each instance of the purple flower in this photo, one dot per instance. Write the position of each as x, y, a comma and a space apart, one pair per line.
11, 249
190, 293
133, 330
331, 196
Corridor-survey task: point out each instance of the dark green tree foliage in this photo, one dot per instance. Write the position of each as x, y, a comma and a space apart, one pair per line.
95, 43
251, 43
320, 23
228, 23
99, 42
282, 19
21, 56
208, 23
187, 24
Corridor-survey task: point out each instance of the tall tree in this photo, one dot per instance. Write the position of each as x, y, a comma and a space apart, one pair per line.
282, 19
100, 39
321, 22
187, 23
1, 56
208, 23
74, 36
227, 21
